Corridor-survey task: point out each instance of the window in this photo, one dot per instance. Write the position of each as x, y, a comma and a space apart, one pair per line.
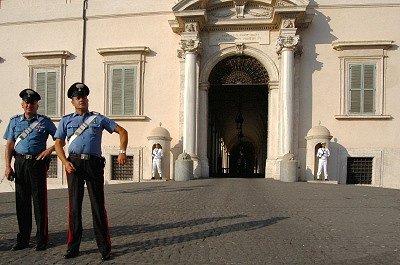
124, 68
362, 79
46, 84
122, 92
124, 172
52, 171
47, 77
362, 88
359, 170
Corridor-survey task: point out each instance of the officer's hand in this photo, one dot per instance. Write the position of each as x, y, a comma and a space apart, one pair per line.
69, 167
43, 154
121, 159
9, 173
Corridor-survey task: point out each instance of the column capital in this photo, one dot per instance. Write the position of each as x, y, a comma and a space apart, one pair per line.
204, 86
191, 45
287, 41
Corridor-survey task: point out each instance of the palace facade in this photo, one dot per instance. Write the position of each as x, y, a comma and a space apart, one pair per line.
246, 88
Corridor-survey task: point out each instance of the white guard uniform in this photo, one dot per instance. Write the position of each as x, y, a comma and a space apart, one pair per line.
323, 154
157, 155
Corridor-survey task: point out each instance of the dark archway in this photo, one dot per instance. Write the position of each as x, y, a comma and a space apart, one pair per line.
238, 118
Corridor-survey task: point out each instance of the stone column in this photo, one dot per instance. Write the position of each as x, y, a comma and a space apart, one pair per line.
189, 105
286, 47
202, 129
190, 45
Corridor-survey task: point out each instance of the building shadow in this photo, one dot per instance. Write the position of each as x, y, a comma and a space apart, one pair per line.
318, 33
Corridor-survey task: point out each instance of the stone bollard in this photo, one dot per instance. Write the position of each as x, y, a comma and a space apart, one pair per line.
288, 168
183, 167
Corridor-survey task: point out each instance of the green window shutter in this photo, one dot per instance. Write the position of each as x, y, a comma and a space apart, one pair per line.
116, 92
130, 91
51, 97
362, 88
369, 88
46, 86
355, 88
41, 89
123, 91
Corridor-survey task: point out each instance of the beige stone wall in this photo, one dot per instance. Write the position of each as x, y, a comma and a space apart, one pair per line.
320, 70
26, 26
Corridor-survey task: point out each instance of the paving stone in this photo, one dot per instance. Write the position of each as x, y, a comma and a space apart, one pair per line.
224, 221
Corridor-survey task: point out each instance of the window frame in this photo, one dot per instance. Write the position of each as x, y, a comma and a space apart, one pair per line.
362, 53
124, 56
54, 60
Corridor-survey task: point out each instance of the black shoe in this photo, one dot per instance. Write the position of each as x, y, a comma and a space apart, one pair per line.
153, 178
19, 246
71, 254
105, 256
40, 247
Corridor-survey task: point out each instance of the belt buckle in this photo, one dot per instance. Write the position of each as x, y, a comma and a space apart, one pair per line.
85, 156
28, 156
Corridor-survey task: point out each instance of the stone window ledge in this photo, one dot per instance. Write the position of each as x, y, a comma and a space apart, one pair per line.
363, 117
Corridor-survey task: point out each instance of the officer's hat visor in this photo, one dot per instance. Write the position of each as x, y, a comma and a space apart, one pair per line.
29, 96
78, 90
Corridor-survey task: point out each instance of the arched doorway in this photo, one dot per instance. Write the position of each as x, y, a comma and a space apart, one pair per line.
238, 115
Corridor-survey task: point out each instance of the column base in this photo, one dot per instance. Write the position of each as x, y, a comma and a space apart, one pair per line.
205, 170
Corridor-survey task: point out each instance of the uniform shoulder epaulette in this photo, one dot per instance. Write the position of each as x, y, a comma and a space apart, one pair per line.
94, 113
15, 116
67, 115
44, 116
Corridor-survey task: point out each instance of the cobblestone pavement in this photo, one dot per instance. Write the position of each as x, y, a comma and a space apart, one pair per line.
225, 221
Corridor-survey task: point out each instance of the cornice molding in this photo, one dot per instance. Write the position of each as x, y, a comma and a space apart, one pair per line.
352, 45
46, 54
124, 50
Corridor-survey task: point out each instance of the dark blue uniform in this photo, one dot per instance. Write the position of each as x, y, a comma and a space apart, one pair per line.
30, 175
85, 154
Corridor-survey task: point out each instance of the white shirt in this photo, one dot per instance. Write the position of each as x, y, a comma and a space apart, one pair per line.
157, 153
323, 153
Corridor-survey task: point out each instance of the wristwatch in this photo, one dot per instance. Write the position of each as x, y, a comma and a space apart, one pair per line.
122, 151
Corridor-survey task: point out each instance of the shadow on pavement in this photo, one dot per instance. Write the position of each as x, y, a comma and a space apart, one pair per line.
120, 250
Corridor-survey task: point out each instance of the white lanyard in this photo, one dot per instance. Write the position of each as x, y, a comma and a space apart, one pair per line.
81, 128
28, 130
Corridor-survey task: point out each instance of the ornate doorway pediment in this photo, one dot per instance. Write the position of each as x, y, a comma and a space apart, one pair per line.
212, 15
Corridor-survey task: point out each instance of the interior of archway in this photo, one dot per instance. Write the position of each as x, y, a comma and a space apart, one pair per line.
238, 118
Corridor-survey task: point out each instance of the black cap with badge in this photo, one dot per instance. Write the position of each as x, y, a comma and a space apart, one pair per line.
78, 89
29, 95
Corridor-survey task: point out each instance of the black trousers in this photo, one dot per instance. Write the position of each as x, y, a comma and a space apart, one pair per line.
92, 172
31, 182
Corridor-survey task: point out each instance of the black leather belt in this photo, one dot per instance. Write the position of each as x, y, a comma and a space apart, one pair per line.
83, 156
25, 156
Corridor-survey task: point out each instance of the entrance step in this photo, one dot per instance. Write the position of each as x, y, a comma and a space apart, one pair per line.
323, 181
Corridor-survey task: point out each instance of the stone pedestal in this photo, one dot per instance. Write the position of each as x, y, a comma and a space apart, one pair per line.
288, 168
184, 167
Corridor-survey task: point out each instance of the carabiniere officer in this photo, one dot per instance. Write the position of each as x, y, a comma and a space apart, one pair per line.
26, 136
86, 165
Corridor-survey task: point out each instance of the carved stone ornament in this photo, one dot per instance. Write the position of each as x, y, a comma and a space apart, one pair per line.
283, 3
239, 7
287, 24
239, 48
191, 27
260, 11
191, 45
288, 42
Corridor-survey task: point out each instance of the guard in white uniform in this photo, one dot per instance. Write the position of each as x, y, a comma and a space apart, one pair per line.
157, 155
323, 154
